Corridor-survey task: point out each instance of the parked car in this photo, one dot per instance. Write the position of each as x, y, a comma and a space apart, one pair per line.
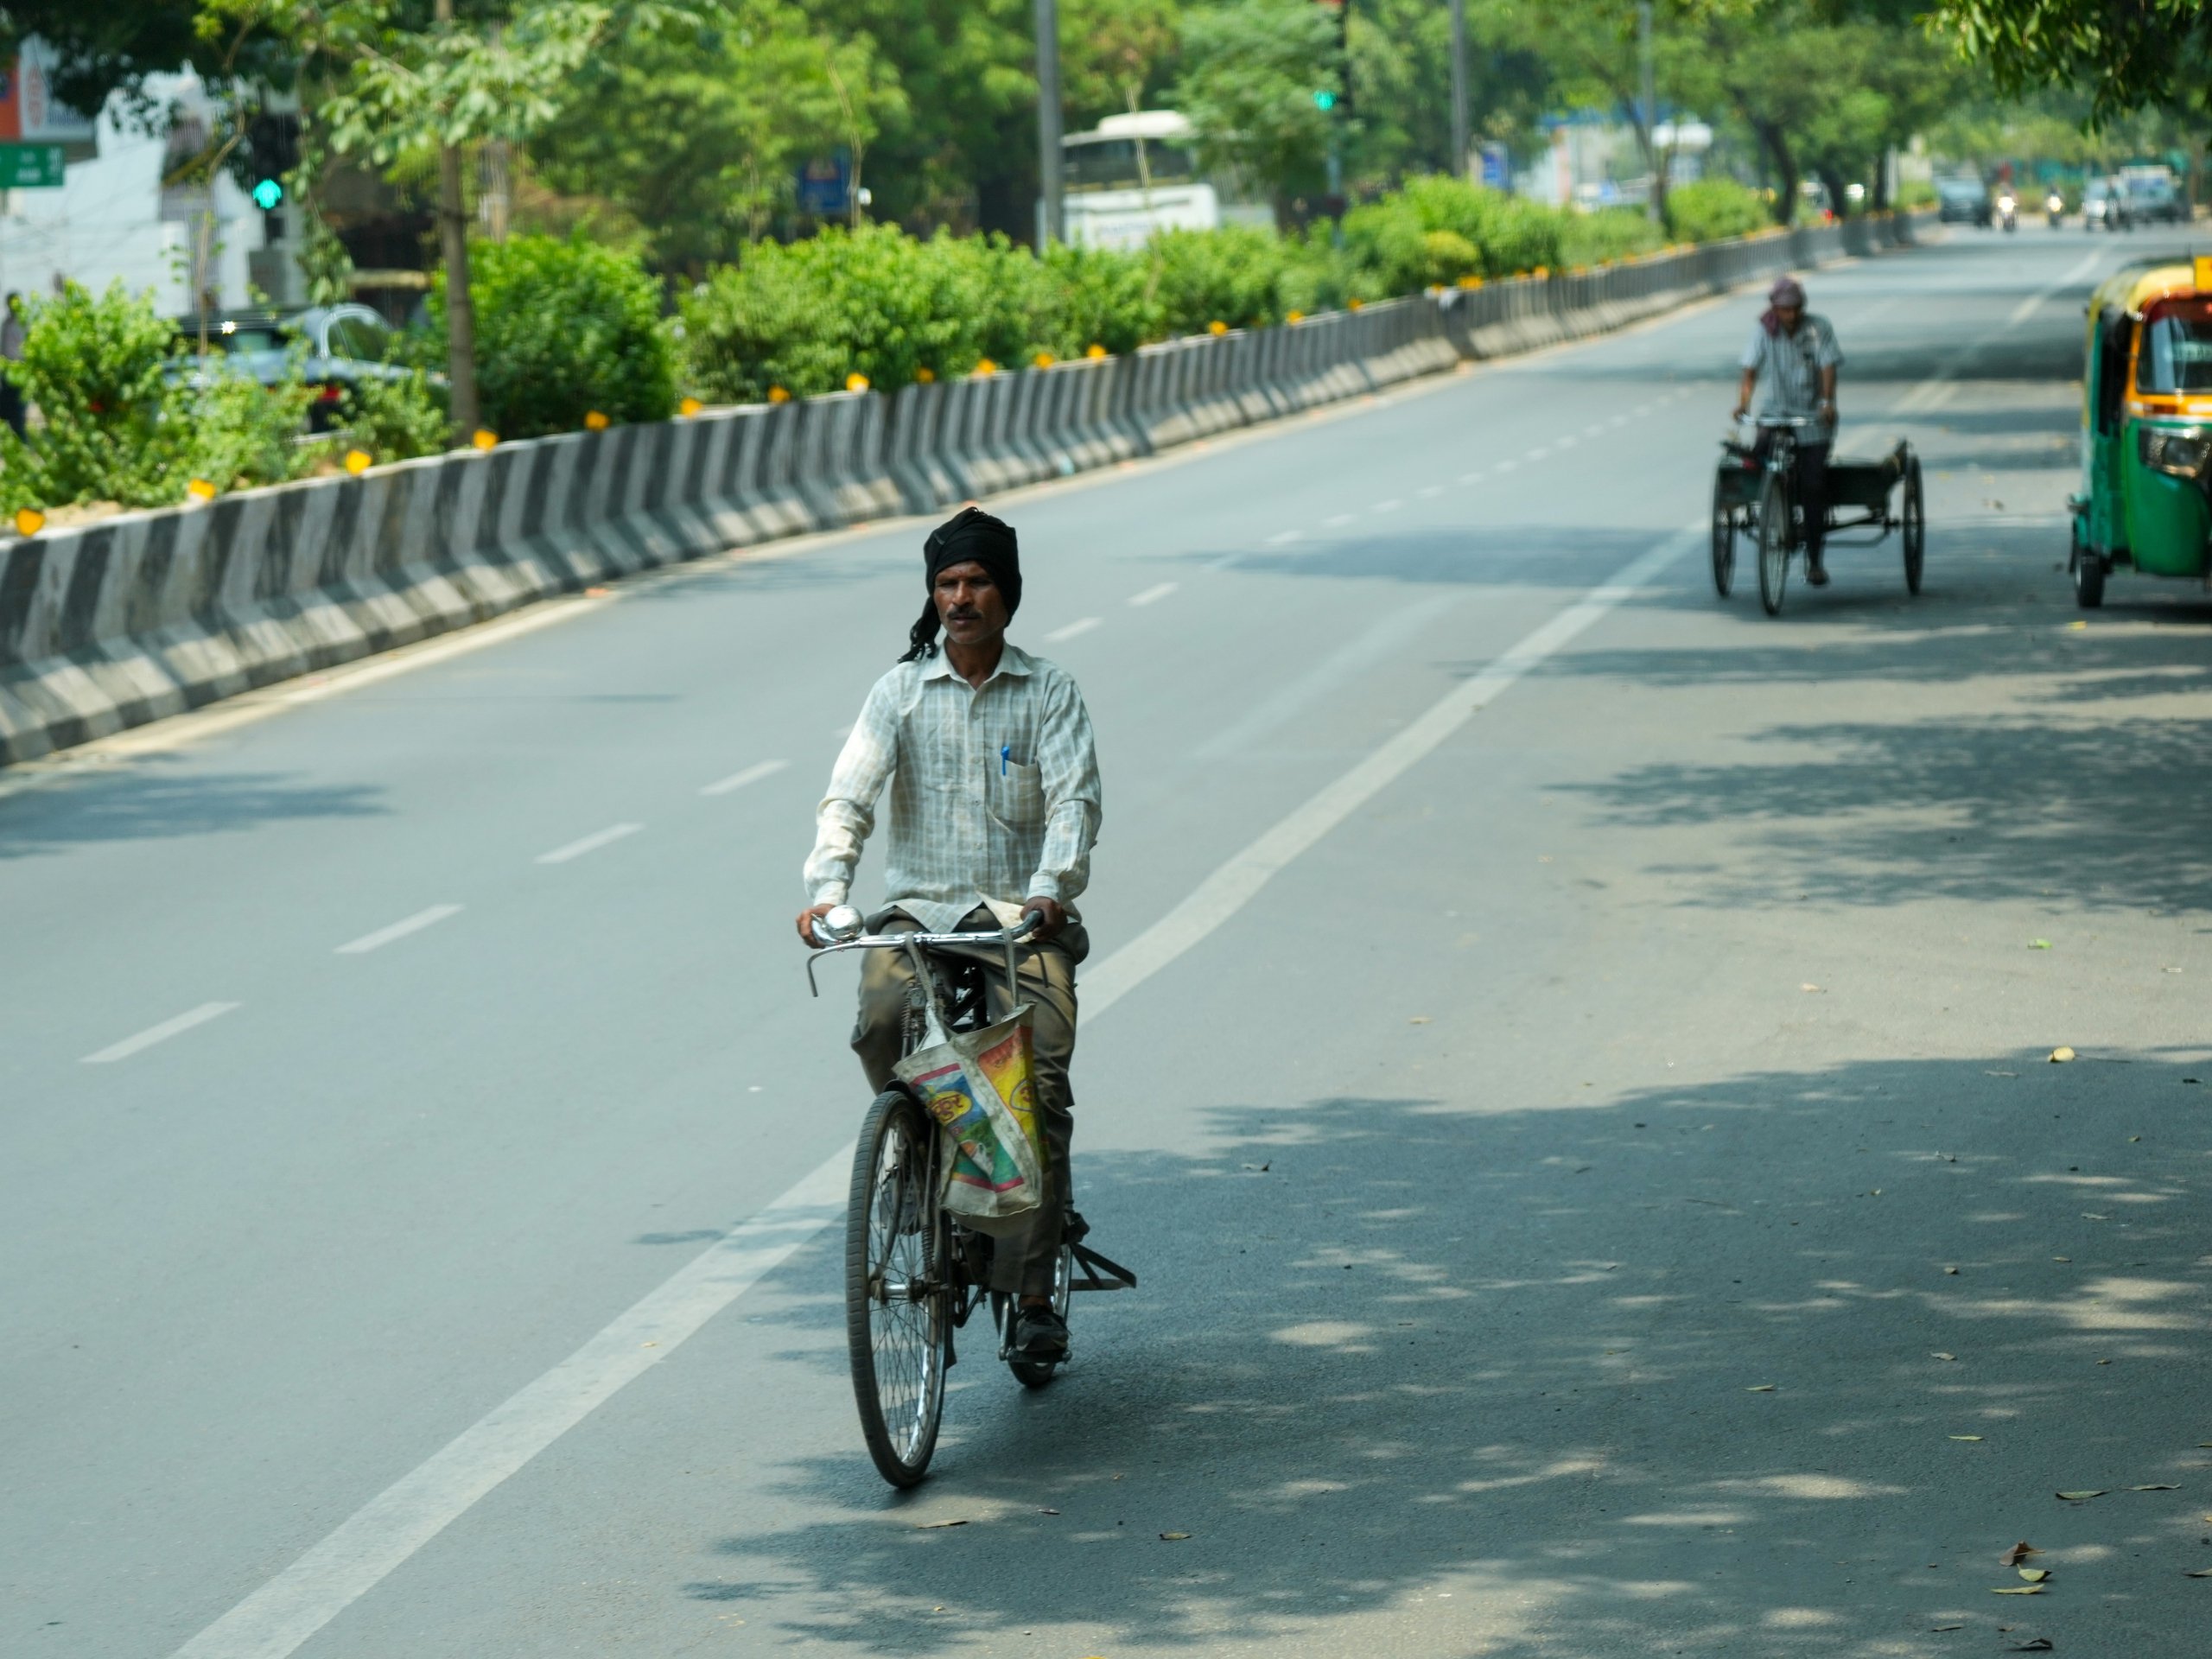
338, 346
2104, 207
2153, 197
1963, 202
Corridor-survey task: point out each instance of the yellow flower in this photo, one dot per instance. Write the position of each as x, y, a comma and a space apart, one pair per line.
1470, 281
778, 395
594, 422
689, 407
1044, 359
29, 521
1216, 327
984, 366
856, 381
358, 461
200, 490
1354, 305
1542, 271
485, 438
1294, 316
1097, 351
926, 377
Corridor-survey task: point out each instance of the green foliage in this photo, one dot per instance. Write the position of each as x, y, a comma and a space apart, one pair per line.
1231, 275
95, 367
2150, 54
236, 432
564, 328
396, 416
1098, 297
1611, 234
1251, 70
1711, 209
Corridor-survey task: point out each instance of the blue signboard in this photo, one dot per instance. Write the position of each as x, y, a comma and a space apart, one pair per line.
1497, 166
825, 187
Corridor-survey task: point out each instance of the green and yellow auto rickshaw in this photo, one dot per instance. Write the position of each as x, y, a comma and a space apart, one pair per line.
2146, 428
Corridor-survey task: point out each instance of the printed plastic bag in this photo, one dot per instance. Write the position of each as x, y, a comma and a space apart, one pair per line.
978, 1086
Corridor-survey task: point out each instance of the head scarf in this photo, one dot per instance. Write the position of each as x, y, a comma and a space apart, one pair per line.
1787, 290
971, 533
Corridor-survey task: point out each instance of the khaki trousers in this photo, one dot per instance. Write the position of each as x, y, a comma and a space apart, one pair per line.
1023, 1261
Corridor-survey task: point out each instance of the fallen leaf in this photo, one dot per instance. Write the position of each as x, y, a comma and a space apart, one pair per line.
1760, 1388
2035, 1574
596, 592
2012, 1556
2154, 1488
1173, 1537
2038, 945
2041, 1644
1418, 1019
1808, 988
2201, 1572
1950, 1273
1966, 1437
2067, 1259
1048, 1511
2060, 1055
931, 1526
1953, 1357
2019, 1590
2075, 1497
1939, 1628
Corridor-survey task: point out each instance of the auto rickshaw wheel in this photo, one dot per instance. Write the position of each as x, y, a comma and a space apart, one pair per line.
1914, 536
2088, 573
1724, 543
1774, 543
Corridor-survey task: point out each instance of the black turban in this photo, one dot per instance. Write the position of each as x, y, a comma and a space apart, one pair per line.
971, 533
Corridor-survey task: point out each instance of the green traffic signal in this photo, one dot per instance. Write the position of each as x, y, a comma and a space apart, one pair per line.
1325, 100
267, 194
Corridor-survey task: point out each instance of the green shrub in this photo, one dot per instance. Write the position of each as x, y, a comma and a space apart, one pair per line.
564, 328
1711, 209
97, 368
1609, 234
239, 432
1096, 296
1231, 275
396, 417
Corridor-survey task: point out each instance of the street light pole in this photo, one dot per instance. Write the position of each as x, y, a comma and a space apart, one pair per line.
1461, 138
1650, 102
1054, 227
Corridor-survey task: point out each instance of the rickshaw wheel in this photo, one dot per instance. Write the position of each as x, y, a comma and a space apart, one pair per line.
1724, 545
2089, 574
1916, 526
1774, 544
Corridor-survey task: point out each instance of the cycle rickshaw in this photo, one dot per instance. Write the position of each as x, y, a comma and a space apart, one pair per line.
1755, 498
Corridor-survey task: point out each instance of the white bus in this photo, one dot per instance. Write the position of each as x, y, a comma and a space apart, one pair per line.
1139, 173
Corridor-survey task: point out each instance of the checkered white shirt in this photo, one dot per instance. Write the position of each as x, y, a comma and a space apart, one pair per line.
1789, 367
994, 793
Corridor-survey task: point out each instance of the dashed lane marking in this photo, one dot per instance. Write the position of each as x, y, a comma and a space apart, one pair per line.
1284, 537
161, 1034
751, 774
384, 936
1152, 596
590, 843
1082, 625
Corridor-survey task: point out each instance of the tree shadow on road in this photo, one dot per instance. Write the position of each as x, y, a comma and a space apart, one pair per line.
1399, 1358
142, 803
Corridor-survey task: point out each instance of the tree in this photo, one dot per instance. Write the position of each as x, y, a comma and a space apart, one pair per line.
1114, 54
115, 45
1251, 71
1400, 75
2126, 55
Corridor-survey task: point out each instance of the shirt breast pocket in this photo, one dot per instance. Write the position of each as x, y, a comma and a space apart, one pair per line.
1015, 794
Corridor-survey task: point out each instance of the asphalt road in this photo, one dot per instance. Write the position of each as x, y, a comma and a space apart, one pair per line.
1590, 1150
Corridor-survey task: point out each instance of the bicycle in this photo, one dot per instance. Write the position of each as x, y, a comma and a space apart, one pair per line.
914, 1271
1755, 494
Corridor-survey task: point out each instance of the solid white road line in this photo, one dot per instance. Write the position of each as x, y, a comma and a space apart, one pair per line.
1428, 490
1083, 624
1391, 505
1283, 538
384, 936
1507, 465
1338, 522
751, 774
1152, 595
275, 1620
1349, 661
590, 843
292, 1606
161, 1034
1471, 478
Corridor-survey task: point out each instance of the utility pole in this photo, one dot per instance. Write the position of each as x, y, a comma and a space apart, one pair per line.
1461, 138
1053, 227
460, 311
1648, 98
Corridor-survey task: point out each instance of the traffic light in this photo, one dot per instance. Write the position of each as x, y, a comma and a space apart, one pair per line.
268, 194
1324, 99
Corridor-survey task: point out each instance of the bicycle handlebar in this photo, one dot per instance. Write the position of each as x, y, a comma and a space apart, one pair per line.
841, 930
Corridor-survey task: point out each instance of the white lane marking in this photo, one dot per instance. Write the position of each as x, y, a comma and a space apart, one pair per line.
276, 1619
1340, 667
1596, 428
1937, 388
1540, 452
590, 843
1428, 490
1084, 624
1641, 409
1617, 420
384, 936
1229, 888
1507, 466
1152, 595
1471, 478
2026, 308
1338, 522
1283, 538
1566, 442
161, 1034
751, 774
1391, 505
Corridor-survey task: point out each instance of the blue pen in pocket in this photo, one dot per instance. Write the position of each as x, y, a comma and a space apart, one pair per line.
1005, 751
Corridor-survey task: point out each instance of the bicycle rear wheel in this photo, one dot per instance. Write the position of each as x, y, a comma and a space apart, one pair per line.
898, 1288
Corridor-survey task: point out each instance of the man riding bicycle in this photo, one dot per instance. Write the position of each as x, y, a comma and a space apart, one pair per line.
995, 807
1793, 352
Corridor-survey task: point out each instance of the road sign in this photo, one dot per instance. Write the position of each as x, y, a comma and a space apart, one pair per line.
30, 167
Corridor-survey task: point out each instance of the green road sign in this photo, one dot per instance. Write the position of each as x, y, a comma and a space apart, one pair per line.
30, 167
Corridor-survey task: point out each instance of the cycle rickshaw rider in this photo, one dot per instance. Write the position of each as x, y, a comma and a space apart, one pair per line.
995, 807
1794, 354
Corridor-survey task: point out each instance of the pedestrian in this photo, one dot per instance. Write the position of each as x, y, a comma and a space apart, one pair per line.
11, 350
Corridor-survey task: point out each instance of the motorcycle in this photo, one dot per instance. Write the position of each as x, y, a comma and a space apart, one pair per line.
2008, 212
2055, 204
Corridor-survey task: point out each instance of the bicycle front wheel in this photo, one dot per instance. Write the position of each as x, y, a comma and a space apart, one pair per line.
898, 1288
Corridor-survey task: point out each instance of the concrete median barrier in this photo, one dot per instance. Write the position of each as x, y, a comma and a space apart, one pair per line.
129, 618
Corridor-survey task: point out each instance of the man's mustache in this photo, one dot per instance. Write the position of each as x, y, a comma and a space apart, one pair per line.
963, 613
